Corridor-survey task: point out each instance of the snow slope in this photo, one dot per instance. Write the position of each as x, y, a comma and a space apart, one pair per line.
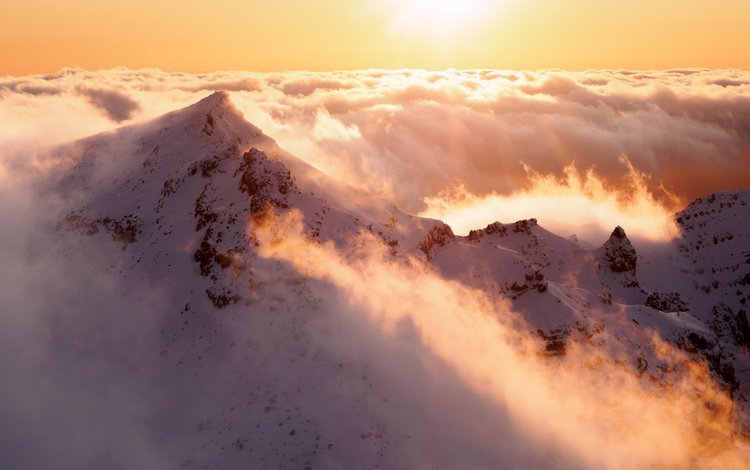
248, 366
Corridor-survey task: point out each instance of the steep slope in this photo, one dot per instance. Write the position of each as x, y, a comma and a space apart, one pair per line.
176, 201
692, 290
706, 271
192, 180
253, 363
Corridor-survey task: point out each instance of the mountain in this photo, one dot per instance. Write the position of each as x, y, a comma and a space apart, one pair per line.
244, 361
193, 179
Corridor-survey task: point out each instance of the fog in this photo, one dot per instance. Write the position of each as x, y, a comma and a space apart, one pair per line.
414, 136
589, 409
93, 381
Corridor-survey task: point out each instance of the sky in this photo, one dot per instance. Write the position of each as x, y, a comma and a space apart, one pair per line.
43, 36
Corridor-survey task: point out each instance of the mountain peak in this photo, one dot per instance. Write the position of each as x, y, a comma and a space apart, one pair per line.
216, 118
188, 139
211, 109
214, 101
619, 253
618, 233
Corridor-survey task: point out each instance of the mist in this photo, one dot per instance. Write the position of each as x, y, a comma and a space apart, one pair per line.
686, 131
108, 367
589, 409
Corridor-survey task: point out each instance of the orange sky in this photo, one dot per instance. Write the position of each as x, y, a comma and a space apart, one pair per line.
39, 36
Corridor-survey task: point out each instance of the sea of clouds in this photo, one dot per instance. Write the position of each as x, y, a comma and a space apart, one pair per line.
627, 147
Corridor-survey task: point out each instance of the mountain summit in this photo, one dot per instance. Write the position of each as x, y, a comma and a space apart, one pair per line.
174, 203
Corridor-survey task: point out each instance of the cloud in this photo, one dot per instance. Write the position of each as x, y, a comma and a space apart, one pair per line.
67, 406
564, 202
31, 88
729, 82
114, 104
581, 412
413, 134
309, 85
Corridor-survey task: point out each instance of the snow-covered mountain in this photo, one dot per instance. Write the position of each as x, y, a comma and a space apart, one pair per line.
247, 367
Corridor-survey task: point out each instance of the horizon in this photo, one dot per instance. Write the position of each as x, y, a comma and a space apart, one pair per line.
386, 69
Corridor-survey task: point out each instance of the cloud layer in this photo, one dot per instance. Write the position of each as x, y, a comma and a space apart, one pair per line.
411, 134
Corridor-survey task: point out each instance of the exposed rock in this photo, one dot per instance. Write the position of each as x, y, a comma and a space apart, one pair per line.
554, 341
493, 228
125, 229
671, 302
208, 126
524, 226
204, 216
619, 254
439, 236
267, 182
699, 341
223, 298
742, 333
729, 324
534, 281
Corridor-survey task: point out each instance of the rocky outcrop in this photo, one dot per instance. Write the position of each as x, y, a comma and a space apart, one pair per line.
439, 236
525, 226
522, 226
532, 282
619, 254
267, 182
669, 303
124, 230
554, 341
495, 227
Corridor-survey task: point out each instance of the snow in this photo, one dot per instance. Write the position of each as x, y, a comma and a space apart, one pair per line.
180, 178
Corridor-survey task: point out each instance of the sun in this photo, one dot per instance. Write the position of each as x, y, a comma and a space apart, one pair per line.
440, 19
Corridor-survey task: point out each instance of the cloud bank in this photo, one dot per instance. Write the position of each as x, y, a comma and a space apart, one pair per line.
412, 134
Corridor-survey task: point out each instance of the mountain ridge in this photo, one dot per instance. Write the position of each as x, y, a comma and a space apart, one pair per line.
181, 195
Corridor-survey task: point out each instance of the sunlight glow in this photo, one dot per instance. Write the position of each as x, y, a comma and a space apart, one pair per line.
578, 204
439, 19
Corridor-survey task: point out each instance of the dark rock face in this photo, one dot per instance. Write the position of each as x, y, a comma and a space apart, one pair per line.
267, 182
439, 236
554, 341
125, 229
223, 298
742, 331
495, 227
619, 254
726, 323
532, 281
207, 256
669, 303
699, 342
204, 216
524, 226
